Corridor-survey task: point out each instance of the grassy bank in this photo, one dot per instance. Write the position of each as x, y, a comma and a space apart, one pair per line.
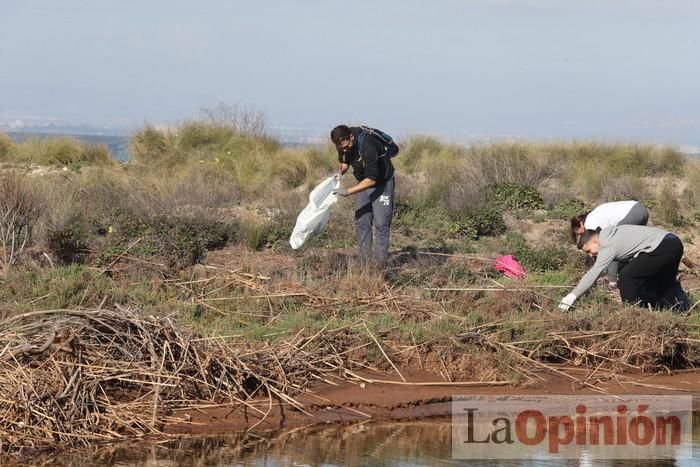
195, 228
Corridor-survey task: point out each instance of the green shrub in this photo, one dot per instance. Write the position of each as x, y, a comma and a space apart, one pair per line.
429, 225
545, 259
516, 197
277, 233
567, 209
417, 216
182, 241
434, 220
258, 235
483, 222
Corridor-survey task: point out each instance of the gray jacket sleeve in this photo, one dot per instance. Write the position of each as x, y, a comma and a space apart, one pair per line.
605, 257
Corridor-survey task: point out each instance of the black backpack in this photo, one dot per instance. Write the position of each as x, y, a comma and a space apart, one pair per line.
391, 149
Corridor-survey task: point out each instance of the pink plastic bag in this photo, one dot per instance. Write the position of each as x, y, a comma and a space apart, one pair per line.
509, 267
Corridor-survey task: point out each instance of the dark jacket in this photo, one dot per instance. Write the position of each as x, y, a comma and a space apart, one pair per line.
369, 161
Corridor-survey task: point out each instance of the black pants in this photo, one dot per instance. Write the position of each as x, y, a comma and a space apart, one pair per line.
650, 279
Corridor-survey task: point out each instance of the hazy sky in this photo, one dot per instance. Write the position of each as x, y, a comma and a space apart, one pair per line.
613, 69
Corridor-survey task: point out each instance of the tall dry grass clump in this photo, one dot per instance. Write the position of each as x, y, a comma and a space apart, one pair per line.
224, 130
61, 151
624, 187
255, 164
461, 179
20, 208
691, 191
669, 206
419, 149
514, 163
594, 168
434, 174
5, 145
152, 146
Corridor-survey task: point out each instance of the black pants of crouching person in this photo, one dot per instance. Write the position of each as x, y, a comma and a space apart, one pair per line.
651, 279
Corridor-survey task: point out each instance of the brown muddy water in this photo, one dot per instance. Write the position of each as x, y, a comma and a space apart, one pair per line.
410, 443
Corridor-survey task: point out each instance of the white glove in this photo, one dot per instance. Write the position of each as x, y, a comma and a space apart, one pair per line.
567, 301
340, 191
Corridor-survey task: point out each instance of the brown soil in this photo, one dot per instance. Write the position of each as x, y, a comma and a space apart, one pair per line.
349, 402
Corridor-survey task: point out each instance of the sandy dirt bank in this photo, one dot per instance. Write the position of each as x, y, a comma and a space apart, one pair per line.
349, 402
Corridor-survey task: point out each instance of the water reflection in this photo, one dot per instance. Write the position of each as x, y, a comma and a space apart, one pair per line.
414, 443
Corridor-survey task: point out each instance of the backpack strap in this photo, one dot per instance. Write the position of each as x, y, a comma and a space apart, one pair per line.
383, 137
391, 149
361, 138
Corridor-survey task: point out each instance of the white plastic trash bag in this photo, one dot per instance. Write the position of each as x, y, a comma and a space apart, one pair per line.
313, 219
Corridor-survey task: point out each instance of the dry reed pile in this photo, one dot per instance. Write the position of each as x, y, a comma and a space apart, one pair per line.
604, 347
70, 378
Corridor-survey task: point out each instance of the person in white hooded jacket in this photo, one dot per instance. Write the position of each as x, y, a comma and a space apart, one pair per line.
650, 277
607, 215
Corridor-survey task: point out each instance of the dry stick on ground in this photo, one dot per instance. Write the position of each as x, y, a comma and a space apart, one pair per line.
655, 386
428, 383
115, 260
516, 352
383, 353
495, 289
448, 255
690, 310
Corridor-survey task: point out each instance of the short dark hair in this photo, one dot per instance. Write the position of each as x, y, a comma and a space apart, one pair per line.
340, 133
587, 236
576, 222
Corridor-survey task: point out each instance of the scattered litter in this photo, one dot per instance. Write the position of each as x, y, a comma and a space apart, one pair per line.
509, 267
